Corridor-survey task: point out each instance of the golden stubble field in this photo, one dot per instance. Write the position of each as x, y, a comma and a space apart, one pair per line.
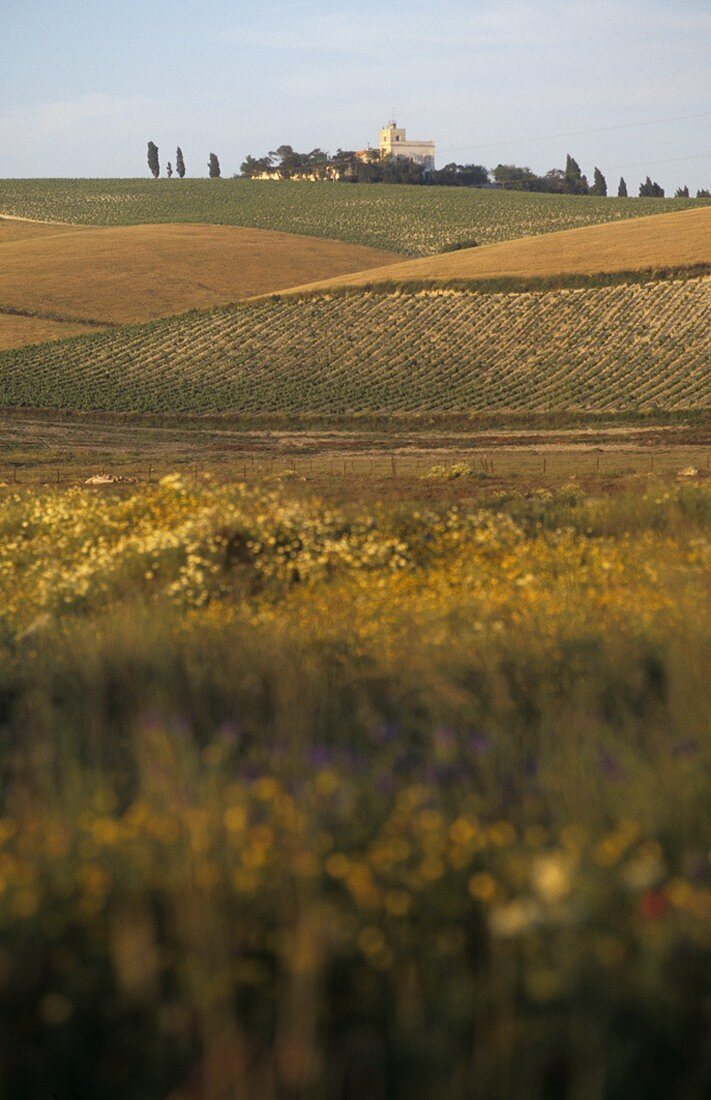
17, 330
138, 273
681, 239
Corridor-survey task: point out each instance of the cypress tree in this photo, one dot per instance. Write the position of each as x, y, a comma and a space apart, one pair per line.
650, 190
682, 193
213, 166
179, 163
153, 162
600, 185
622, 189
575, 181
169, 170
572, 174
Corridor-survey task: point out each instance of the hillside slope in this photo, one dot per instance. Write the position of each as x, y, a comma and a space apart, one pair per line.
17, 331
674, 240
138, 273
415, 221
641, 345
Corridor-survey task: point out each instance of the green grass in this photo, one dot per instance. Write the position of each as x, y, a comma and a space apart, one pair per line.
608, 348
415, 221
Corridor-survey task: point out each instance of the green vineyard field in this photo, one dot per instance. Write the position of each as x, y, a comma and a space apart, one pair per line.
416, 221
627, 346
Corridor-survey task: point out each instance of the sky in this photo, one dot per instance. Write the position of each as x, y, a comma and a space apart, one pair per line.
621, 84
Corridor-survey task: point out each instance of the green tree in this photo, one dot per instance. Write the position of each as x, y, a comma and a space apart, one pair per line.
255, 166
460, 175
703, 193
513, 177
622, 189
575, 182
153, 162
554, 181
650, 190
179, 163
213, 166
599, 187
288, 160
682, 193
402, 170
169, 170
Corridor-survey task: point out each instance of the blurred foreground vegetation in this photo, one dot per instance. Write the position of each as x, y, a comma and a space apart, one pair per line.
301, 803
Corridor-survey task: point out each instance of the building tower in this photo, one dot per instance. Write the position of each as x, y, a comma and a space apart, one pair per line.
394, 143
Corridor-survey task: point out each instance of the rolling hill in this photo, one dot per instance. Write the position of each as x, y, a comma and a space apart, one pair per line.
415, 221
137, 273
676, 240
607, 317
16, 330
625, 346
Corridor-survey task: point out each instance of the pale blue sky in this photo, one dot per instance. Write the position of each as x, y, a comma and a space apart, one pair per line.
84, 84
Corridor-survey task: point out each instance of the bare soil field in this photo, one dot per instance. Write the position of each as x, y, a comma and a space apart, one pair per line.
367, 465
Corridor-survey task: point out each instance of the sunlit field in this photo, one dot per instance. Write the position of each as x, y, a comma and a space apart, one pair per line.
676, 241
626, 346
354, 647
416, 221
107, 276
311, 801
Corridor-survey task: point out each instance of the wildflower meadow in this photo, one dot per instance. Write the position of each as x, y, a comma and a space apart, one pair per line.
301, 801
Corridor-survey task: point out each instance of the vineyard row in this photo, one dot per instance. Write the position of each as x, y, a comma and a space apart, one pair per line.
611, 348
415, 221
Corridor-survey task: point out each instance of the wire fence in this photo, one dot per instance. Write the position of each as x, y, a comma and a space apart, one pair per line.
553, 463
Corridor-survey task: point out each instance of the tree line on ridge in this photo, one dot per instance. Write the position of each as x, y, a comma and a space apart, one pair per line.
347, 166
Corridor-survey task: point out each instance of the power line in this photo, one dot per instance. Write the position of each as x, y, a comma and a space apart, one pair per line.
337, 162
665, 160
580, 133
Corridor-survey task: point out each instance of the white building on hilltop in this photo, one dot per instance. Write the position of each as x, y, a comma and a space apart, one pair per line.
394, 143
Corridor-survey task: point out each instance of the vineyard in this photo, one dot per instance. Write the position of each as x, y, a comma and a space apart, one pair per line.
416, 221
626, 346
677, 240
